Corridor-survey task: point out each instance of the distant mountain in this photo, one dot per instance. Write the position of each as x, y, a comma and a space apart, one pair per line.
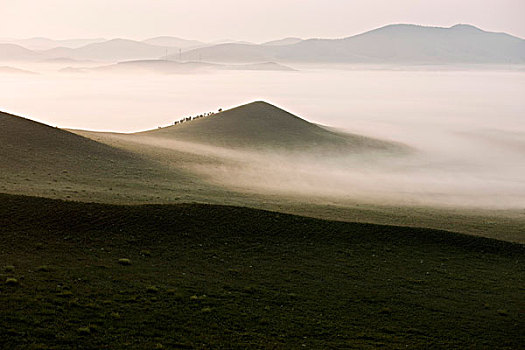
26, 144
396, 44
268, 66
12, 70
75, 70
111, 50
173, 67
260, 125
61, 60
169, 41
285, 41
392, 44
230, 41
12, 52
46, 44
60, 53
232, 53
156, 66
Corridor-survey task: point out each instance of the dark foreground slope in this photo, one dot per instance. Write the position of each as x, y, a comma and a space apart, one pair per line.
260, 125
204, 276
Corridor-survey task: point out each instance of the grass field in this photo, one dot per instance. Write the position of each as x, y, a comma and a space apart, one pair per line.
78, 275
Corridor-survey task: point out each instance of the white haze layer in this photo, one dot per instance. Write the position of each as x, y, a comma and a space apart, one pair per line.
467, 126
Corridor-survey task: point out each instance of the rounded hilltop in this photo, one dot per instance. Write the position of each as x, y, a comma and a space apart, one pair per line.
262, 125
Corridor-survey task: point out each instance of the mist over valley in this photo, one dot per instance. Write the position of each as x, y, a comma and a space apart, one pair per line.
332, 176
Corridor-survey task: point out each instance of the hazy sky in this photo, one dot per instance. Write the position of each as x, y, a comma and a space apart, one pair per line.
253, 20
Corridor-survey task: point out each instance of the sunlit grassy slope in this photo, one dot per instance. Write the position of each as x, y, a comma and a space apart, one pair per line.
263, 126
39, 160
203, 276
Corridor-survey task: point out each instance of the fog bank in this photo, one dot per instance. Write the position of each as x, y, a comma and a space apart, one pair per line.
466, 127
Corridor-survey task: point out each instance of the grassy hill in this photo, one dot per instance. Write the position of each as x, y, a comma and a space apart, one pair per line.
202, 276
29, 144
260, 125
38, 159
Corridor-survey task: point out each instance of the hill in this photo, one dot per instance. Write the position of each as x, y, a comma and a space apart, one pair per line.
29, 144
203, 276
260, 125
232, 53
170, 41
47, 44
111, 50
12, 52
264, 66
13, 70
36, 159
285, 41
392, 44
156, 66
42, 160
418, 44
174, 67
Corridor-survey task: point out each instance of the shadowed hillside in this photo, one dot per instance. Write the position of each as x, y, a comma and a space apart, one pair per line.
29, 144
42, 160
93, 276
260, 125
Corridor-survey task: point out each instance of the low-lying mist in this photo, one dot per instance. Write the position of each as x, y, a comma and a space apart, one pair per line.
465, 127
417, 178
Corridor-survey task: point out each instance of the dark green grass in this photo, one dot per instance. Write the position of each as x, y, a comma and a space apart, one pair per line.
203, 276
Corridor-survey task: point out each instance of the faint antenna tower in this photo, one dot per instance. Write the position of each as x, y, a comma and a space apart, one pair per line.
180, 54
166, 54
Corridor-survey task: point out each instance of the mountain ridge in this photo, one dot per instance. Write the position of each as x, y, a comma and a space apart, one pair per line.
393, 43
396, 43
